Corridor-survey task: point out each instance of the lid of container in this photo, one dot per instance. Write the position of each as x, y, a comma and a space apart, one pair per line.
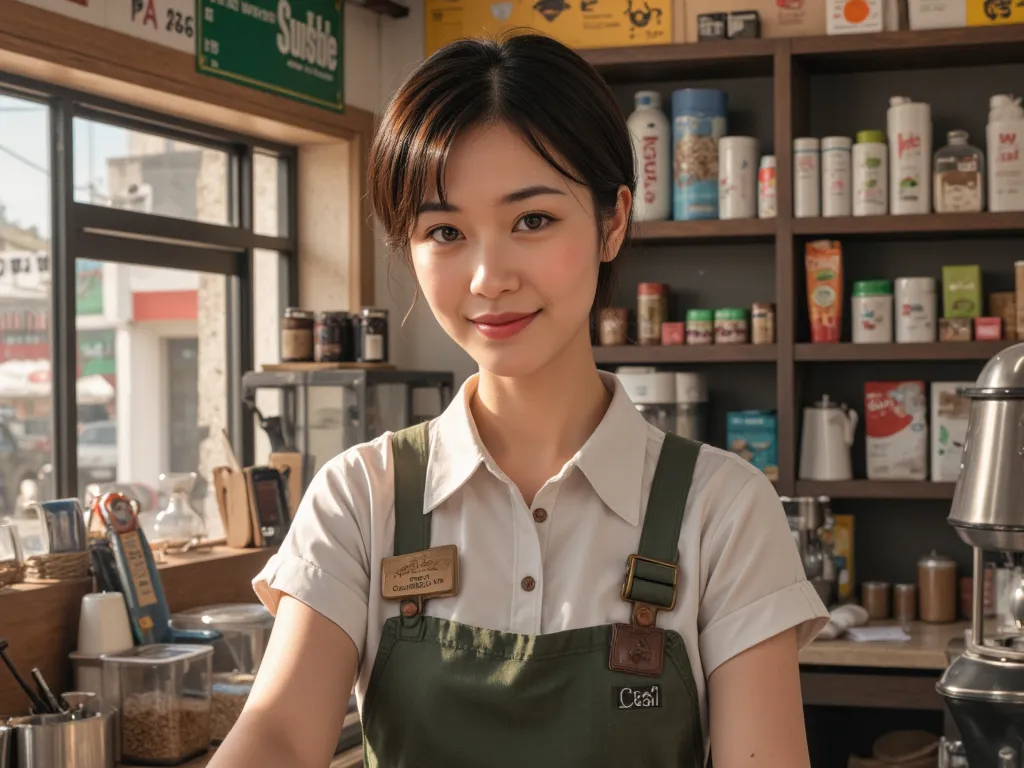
1002, 376
699, 315
231, 615
870, 136
706, 100
927, 283
650, 99
1000, 100
805, 143
299, 312
657, 388
767, 161
836, 142
333, 314
374, 312
765, 306
872, 288
650, 289
957, 137
936, 560
898, 101
691, 388
730, 313
158, 653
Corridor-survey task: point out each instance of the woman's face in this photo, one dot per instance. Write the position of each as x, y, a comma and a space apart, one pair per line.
509, 266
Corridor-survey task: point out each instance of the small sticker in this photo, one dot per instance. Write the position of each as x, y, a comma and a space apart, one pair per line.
642, 697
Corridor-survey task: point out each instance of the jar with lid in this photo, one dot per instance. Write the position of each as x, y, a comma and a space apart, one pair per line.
333, 341
372, 346
691, 406
652, 311
613, 326
959, 176
700, 326
731, 326
872, 312
937, 588
297, 336
762, 326
653, 393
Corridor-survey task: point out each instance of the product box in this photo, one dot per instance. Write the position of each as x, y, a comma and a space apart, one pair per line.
754, 436
896, 427
955, 329
950, 414
937, 14
583, 24
986, 13
988, 328
961, 291
847, 17
1003, 304
842, 551
779, 18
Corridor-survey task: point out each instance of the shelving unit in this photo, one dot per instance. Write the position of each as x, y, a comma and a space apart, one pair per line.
876, 489
715, 230
834, 353
682, 354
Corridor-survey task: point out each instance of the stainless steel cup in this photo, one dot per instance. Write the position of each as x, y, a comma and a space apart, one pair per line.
46, 741
5, 747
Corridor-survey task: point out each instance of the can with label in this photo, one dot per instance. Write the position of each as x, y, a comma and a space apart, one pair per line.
872, 312
870, 174
806, 178
651, 312
916, 307
767, 201
698, 122
835, 176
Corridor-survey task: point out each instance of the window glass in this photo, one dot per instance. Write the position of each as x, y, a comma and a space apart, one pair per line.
270, 195
124, 168
269, 298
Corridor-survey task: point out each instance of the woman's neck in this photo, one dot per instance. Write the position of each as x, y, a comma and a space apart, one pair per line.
533, 425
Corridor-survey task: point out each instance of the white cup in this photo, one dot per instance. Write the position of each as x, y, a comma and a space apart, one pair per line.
103, 624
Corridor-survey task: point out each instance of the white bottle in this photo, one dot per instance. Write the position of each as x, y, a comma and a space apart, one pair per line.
836, 180
916, 309
737, 177
767, 194
870, 174
1005, 136
649, 128
910, 156
806, 178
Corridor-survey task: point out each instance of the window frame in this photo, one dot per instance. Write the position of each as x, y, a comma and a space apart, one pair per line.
86, 230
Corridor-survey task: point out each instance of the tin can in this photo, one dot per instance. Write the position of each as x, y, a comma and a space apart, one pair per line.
731, 326
700, 326
652, 311
613, 325
762, 326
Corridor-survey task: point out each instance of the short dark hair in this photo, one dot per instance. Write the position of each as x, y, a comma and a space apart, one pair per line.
533, 84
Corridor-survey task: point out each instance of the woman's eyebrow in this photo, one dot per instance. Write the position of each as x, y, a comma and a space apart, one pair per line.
527, 192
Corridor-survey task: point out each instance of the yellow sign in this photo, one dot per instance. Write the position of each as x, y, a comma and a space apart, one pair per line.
984, 13
577, 23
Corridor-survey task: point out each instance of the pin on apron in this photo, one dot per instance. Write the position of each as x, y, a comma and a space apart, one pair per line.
446, 693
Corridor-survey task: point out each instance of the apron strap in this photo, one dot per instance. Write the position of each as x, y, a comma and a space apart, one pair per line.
651, 579
410, 450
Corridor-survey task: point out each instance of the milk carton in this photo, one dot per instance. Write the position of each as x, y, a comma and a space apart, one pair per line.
896, 426
950, 414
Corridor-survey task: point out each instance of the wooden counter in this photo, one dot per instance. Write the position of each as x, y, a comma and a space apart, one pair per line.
926, 649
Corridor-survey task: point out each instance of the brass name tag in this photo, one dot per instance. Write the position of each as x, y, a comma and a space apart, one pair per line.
430, 573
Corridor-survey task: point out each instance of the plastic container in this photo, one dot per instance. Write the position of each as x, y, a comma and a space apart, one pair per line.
870, 174
806, 178
698, 122
737, 181
163, 693
700, 326
732, 326
916, 309
872, 312
767, 194
691, 406
651, 134
958, 184
836, 176
653, 393
1005, 142
909, 125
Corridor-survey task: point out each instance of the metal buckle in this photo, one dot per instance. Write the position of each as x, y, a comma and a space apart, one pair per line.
627, 588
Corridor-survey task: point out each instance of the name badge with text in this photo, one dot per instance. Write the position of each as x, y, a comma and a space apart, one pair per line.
430, 573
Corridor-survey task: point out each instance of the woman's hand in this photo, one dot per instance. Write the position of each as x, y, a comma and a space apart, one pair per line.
294, 715
756, 710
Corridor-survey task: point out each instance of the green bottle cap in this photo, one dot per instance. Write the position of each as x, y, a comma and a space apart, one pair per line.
872, 288
870, 137
699, 315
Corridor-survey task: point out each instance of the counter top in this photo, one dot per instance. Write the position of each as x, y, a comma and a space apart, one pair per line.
926, 648
349, 759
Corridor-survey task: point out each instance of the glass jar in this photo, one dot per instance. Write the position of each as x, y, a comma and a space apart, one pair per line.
333, 340
179, 521
700, 326
959, 176
372, 346
731, 326
297, 336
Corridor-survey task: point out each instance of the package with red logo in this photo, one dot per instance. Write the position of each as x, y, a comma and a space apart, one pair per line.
896, 427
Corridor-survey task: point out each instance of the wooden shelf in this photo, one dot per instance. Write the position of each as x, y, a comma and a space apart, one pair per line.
914, 227
876, 489
711, 230
939, 351
634, 354
728, 58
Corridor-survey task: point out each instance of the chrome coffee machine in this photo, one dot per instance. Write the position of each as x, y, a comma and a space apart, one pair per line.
811, 523
984, 687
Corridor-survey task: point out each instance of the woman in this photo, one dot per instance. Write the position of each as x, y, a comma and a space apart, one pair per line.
504, 174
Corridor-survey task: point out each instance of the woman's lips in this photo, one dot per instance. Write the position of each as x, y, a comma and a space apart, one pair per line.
504, 326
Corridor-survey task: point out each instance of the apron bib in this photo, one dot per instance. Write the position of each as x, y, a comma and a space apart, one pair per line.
443, 693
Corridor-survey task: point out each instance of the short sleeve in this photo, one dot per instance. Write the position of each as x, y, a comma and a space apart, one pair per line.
756, 587
324, 560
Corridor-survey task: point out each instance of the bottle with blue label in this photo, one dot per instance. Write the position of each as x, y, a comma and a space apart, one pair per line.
698, 122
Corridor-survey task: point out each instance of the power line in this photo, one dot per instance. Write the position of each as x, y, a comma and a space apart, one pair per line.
25, 160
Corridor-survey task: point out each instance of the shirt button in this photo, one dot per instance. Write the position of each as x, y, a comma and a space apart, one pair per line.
540, 515
528, 583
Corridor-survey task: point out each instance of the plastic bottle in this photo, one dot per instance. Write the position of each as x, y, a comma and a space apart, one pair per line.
870, 174
1005, 136
767, 207
959, 182
737, 177
835, 176
910, 156
649, 128
806, 178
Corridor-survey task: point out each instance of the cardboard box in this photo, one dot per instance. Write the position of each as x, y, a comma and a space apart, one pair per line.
754, 436
842, 550
846, 17
987, 13
950, 414
937, 14
961, 291
579, 24
779, 18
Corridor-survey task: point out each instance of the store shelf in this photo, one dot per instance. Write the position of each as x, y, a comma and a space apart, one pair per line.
634, 354
939, 351
912, 49
876, 489
689, 61
917, 227
711, 230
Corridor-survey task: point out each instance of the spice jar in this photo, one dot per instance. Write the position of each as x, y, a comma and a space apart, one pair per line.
297, 336
874, 596
613, 324
904, 602
372, 346
333, 337
652, 311
762, 326
731, 326
937, 588
700, 326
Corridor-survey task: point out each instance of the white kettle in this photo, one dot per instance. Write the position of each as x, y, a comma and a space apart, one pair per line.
826, 441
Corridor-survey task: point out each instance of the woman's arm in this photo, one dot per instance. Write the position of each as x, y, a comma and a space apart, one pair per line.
298, 703
756, 709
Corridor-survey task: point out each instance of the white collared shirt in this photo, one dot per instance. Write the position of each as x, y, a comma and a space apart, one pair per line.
740, 581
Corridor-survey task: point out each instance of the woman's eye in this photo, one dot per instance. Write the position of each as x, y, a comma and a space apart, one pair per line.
532, 221
445, 234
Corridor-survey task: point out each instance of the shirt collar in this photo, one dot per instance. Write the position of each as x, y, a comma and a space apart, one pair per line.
612, 459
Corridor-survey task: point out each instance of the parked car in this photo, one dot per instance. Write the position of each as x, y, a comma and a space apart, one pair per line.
18, 465
97, 453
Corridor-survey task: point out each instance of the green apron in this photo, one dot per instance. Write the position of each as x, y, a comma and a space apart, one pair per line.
448, 694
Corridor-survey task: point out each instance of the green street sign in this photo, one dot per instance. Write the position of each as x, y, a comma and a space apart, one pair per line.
288, 47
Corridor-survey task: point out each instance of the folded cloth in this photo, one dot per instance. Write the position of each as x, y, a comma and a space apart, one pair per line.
842, 619
877, 634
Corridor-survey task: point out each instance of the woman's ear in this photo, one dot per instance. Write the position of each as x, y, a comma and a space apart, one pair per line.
618, 225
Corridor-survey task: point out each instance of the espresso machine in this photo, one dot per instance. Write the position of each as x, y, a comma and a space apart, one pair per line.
811, 523
984, 687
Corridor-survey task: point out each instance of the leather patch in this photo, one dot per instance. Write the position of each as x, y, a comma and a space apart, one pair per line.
637, 650
430, 573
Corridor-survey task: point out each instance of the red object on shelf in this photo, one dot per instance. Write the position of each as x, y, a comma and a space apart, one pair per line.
672, 333
988, 328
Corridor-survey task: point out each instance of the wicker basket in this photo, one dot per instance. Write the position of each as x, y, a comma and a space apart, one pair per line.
63, 566
11, 572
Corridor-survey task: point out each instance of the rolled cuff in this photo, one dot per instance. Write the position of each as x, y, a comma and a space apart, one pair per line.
797, 605
315, 588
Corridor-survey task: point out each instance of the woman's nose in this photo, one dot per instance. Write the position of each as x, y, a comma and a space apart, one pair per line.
493, 273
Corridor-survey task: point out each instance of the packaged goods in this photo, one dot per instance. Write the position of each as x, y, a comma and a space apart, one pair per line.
737, 180
1005, 141
910, 156
824, 262
767, 194
754, 436
955, 329
651, 312
896, 429
806, 178
651, 134
836, 176
961, 291
1003, 304
916, 310
988, 329
698, 122
870, 174
959, 181
700, 326
950, 414
872, 312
